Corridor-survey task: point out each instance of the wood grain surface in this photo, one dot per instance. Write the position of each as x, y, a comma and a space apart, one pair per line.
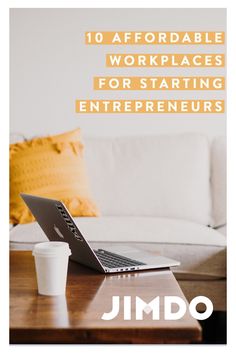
76, 317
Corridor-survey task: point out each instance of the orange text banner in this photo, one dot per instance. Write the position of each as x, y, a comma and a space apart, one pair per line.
159, 83
149, 106
154, 38
165, 60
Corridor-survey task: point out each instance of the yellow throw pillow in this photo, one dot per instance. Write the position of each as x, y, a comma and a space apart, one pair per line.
50, 167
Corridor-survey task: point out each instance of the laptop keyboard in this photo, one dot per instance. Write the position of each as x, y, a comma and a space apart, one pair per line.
113, 260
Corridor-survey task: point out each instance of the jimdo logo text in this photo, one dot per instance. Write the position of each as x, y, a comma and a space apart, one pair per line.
170, 302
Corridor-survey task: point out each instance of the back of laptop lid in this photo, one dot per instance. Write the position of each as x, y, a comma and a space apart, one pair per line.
58, 225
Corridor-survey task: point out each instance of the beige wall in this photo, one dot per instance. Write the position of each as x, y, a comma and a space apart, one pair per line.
51, 67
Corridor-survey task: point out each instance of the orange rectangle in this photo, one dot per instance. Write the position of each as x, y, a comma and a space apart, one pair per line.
124, 83
149, 106
165, 60
154, 38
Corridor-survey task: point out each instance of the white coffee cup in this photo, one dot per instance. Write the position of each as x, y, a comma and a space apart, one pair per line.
51, 261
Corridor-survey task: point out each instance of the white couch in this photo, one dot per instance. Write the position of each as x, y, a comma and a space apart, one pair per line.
165, 194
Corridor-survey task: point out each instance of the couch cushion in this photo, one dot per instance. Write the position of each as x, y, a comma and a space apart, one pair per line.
200, 249
165, 176
218, 179
130, 229
222, 230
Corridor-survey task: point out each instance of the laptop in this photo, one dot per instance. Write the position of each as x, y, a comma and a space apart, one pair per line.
58, 225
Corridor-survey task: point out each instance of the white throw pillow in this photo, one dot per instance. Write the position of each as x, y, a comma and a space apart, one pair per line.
165, 176
218, 152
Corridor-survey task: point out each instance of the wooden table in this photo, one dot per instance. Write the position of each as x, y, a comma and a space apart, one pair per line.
76, 317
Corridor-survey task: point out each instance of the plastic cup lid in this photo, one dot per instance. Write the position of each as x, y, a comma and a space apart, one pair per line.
52, 249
